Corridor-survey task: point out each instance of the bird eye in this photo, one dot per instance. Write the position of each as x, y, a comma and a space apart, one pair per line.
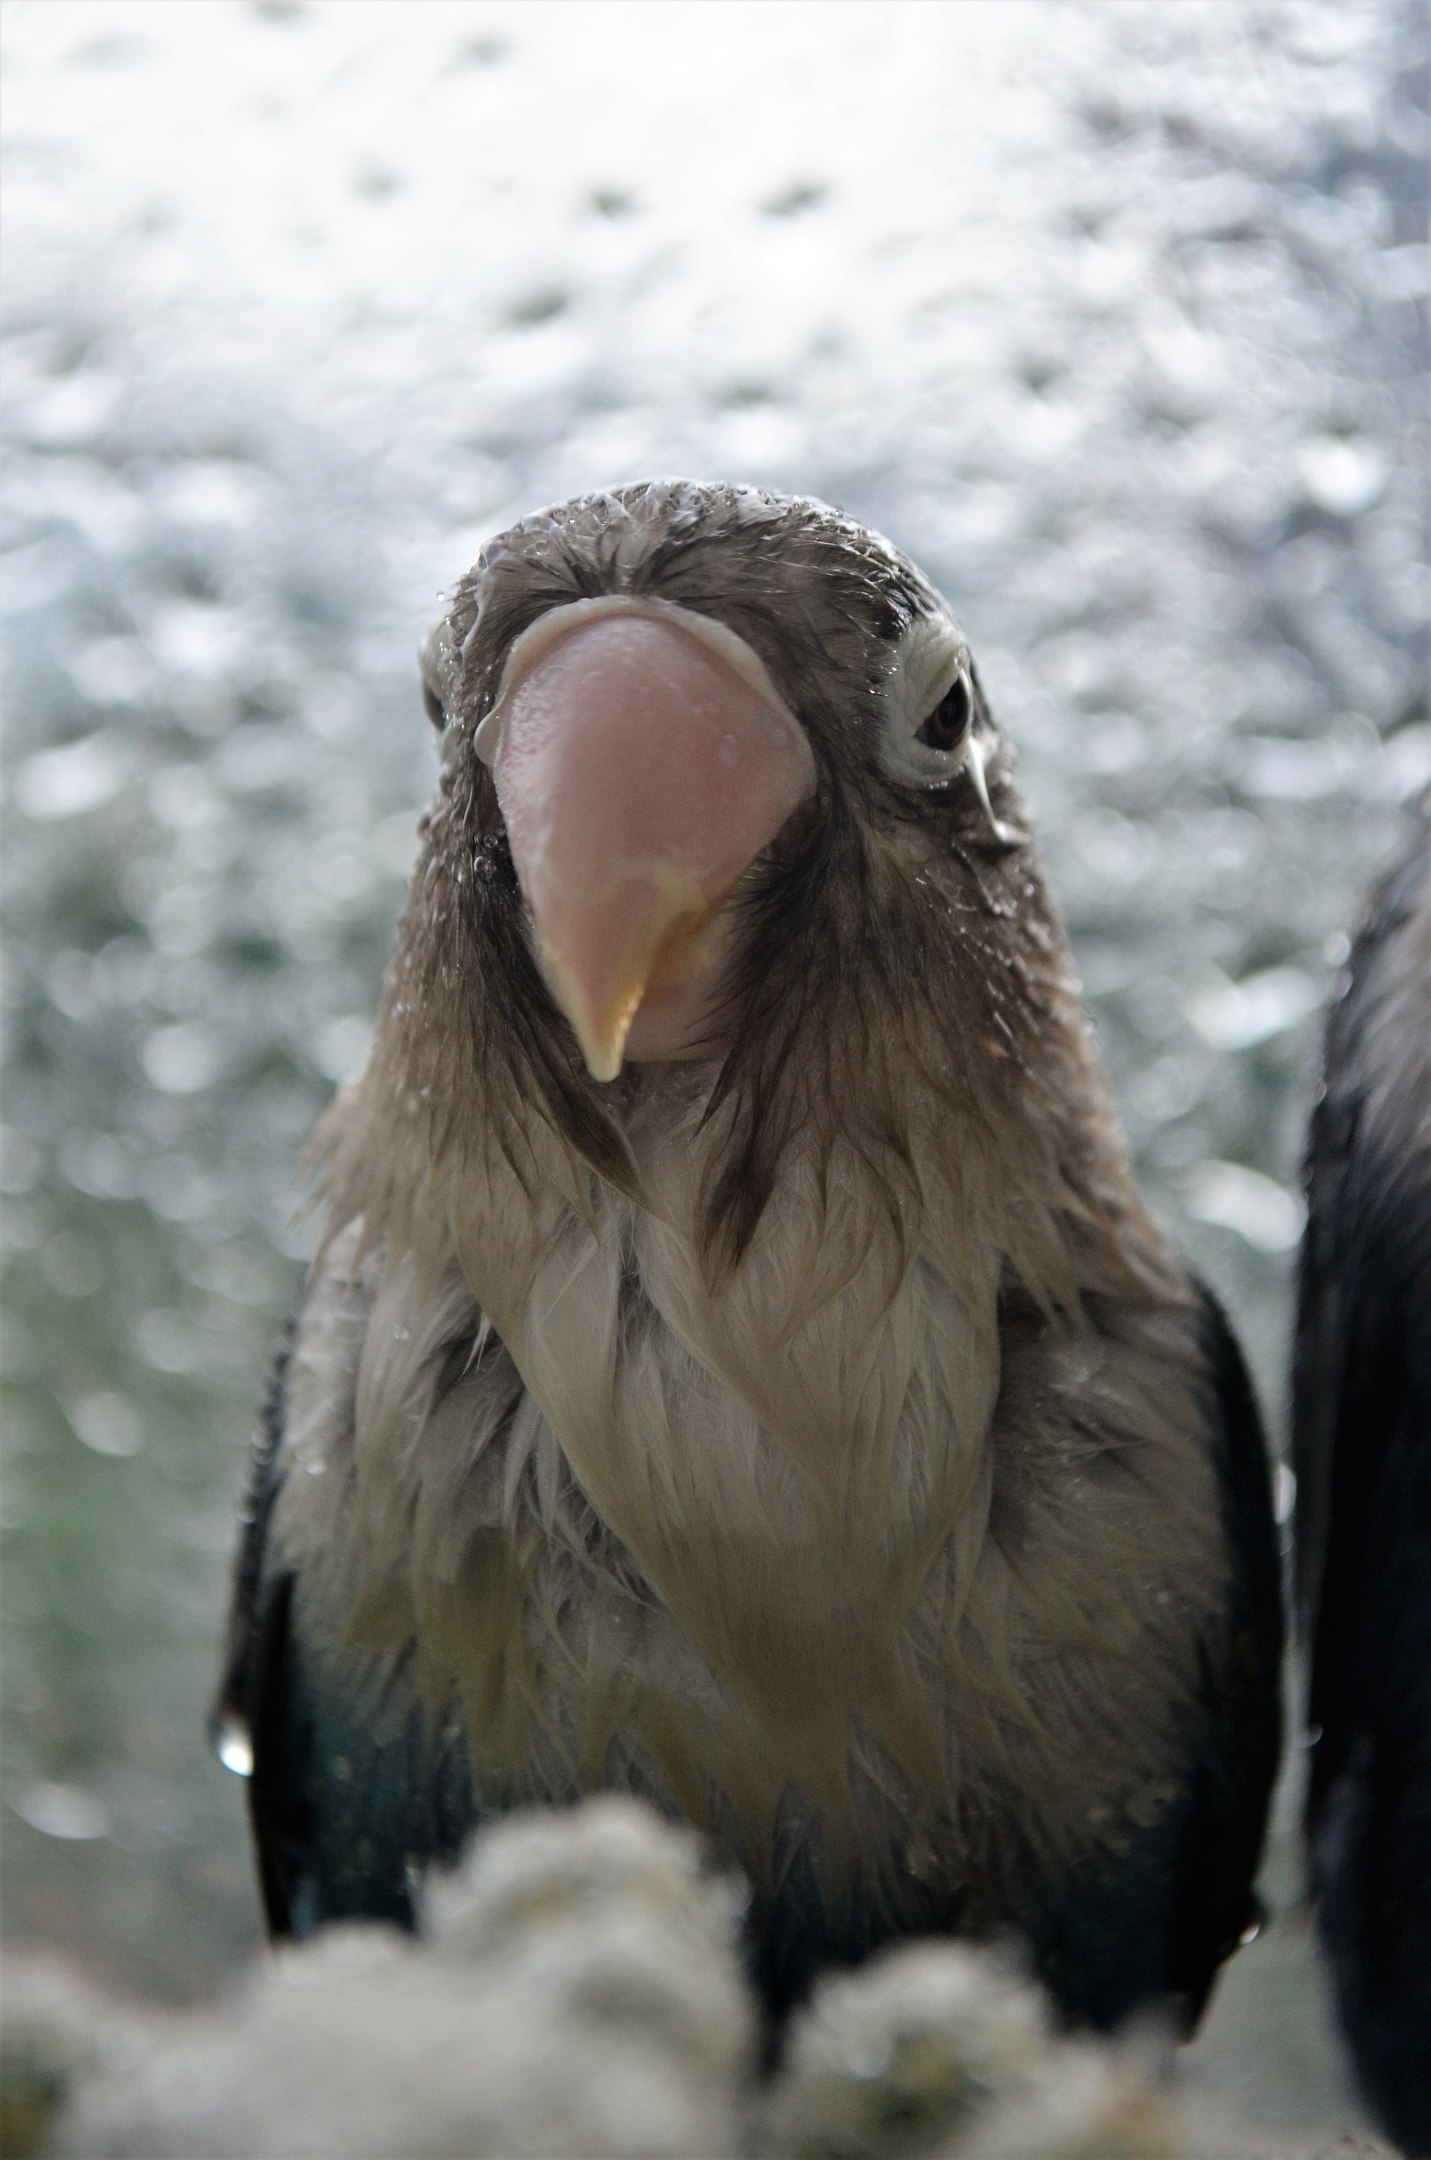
432, 706
946, 726
928, 703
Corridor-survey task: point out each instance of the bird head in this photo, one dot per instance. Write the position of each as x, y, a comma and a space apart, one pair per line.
675, 690
721, 797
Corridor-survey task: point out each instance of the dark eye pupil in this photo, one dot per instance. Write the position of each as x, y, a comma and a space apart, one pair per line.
950, 717
432, 706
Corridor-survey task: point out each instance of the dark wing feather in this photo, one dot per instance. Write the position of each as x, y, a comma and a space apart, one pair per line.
1362, 1450
343, 1822
1242, 1737
1153, 1924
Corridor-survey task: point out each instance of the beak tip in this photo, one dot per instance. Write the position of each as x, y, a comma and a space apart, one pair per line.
601, 1034
601, 1063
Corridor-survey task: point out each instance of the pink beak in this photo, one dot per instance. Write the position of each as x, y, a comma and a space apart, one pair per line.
643, 760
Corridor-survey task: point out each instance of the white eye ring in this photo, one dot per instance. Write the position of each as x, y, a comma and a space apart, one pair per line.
930, 659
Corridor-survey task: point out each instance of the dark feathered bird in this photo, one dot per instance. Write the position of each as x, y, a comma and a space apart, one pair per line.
738, 1367
1362, 1450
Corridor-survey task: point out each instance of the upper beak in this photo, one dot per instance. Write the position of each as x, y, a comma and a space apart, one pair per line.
643, 759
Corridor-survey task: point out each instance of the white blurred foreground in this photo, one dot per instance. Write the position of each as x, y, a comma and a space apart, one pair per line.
579, 1992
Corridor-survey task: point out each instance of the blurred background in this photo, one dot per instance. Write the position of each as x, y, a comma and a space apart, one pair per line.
1109, 315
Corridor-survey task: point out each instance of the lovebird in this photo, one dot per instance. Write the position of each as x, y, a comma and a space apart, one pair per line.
1361, 1447
738, 1368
